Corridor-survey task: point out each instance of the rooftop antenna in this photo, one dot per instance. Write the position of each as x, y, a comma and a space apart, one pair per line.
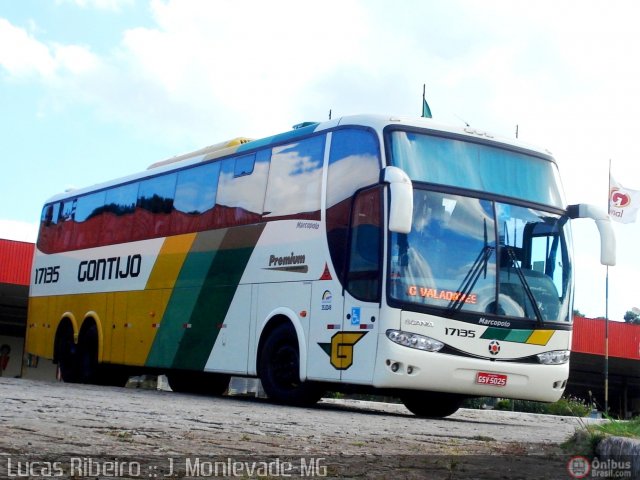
517, 130
462, 120
329, 114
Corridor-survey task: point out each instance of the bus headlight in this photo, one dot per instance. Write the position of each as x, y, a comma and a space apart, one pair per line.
413, 340
556, 357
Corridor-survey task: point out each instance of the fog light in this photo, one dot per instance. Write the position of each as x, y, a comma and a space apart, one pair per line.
395, 366
413, 340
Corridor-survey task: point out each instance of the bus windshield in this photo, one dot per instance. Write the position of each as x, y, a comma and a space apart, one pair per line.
466, 254
475, 166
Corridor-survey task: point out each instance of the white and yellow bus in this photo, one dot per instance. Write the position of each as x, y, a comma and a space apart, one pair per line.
364, 253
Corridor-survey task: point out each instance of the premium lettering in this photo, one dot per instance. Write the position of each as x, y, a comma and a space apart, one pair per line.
286, 260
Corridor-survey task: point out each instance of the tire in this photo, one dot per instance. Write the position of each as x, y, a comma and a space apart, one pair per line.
431, 404
87, 356
279, 369
200, 383
67, 356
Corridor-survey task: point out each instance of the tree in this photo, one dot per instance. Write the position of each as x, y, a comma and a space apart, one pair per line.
632, 317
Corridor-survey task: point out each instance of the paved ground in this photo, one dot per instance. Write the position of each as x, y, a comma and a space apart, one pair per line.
165, 433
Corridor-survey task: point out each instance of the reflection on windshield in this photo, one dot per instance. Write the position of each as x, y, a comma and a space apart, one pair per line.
472, 255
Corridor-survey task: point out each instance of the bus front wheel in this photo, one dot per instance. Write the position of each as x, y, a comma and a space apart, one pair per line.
279, 369
431, 404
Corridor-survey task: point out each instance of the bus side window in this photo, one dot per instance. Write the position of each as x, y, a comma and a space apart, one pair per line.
363, 277
88, 220
354, 162
241, 190
295, 180
154, 207
196, 193
48, 225
64, 232
119, 209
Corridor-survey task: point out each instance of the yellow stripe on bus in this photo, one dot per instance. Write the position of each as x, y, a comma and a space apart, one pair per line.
540, 337
169, 262
146, 308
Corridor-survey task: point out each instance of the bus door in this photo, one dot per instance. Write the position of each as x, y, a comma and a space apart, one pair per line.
357, 351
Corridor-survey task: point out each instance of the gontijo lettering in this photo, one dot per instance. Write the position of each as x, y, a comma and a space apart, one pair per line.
109, 268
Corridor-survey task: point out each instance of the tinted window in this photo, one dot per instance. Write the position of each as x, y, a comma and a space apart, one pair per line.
241, 198
67, 211
295, 179
363, 278
155, 204
196, 189
477, 167
244, 165
89, 206
354, 162
120, 204
156, 194
122, 200
88, 219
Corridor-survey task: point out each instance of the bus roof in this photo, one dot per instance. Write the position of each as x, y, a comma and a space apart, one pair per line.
243, 144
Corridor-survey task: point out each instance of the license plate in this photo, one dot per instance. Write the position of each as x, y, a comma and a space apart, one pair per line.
493, 379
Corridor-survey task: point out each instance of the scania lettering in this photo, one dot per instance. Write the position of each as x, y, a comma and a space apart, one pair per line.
366, 253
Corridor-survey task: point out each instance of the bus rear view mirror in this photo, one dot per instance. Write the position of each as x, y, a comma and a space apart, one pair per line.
603, 222
401, 201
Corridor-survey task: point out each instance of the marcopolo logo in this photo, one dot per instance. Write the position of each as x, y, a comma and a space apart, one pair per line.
494, 347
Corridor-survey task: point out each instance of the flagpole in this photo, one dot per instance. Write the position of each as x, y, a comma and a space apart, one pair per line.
606, 315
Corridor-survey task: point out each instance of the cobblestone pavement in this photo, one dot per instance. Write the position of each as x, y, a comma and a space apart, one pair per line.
180, 435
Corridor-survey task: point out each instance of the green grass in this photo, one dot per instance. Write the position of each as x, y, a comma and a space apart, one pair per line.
619, 428
585, 440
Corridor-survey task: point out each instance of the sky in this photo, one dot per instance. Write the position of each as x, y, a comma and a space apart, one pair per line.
92, 90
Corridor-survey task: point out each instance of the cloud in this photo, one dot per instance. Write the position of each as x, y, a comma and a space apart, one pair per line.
22, 55
20, 231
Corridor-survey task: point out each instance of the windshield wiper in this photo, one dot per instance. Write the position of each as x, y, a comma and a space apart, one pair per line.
527, 289
477, 268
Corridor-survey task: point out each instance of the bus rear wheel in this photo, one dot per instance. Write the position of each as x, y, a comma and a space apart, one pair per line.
279, 369
66, 356
431, 404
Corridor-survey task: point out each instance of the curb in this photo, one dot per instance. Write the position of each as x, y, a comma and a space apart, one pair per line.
621, 449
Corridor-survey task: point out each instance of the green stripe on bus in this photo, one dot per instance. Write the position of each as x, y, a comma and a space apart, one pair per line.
508, 335
184, 298
519, 336
496, 333
215, 297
